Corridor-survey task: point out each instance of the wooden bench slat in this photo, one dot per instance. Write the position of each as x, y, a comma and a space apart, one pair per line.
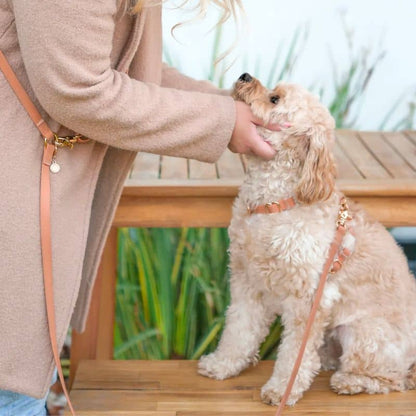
403, 145
390, 187
201, 170
146, 166
126, 413
391, 211
171, 188
113, 375
230, 165
173, 168
225, 188
199, 403
360, 155
269, 413
102, 386
386, 155
346, 169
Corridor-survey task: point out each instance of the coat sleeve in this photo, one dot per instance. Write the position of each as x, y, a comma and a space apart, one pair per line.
172, 78
66, 48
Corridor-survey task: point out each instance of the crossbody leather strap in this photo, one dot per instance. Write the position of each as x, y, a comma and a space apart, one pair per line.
45, 216
24, 98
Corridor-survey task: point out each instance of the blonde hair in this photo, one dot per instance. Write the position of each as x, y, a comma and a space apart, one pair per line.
228, 7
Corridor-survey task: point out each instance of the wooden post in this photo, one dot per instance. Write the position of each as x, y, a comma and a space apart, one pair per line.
96, 342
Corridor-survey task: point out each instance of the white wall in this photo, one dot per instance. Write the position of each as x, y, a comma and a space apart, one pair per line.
388, 23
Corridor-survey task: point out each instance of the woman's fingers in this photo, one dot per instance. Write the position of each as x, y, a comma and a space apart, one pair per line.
262, 149
270, 126
245, 138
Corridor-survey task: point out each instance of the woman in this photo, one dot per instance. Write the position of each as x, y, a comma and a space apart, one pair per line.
95, 68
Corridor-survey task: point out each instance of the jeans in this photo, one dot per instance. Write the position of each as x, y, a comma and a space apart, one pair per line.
15, 404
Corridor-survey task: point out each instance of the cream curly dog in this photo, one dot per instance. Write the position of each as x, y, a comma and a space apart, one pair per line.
365, 328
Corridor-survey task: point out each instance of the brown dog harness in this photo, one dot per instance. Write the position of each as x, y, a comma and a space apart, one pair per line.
49, 164
336, 256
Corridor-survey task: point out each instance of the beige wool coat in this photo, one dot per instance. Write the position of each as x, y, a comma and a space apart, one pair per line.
96, 70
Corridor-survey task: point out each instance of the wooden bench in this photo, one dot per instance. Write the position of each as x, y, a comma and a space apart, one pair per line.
173, 388
376, 169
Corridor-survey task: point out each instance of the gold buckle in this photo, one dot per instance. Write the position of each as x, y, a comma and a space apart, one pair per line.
270, 204
333, 271
278, 205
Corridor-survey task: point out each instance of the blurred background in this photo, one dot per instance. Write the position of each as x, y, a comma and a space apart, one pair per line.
328, 37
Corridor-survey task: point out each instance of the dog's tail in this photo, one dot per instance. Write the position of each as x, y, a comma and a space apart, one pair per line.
410, 380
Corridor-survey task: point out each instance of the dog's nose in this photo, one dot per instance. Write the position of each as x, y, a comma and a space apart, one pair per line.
246, 77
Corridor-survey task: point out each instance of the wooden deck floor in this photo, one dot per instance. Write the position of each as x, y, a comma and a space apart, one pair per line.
173, 388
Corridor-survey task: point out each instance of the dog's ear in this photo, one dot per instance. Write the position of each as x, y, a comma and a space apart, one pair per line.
318, 172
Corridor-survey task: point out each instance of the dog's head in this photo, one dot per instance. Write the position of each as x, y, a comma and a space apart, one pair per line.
309, 139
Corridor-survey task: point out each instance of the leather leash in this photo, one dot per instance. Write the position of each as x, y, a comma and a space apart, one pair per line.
332, 265
48, 158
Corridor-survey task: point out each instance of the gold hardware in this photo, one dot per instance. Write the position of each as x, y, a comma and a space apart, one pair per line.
66, 141
343, 214
47, 141
333, 271
54, 167
268, 205
277, 203
69, 141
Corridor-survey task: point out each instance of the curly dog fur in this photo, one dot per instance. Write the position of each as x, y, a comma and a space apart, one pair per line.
365, 328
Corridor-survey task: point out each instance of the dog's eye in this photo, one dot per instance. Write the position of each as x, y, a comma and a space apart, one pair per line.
274, 99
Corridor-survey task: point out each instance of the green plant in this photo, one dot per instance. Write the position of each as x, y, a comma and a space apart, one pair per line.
172, 292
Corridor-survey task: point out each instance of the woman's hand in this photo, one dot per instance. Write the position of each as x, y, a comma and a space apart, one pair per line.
245, 138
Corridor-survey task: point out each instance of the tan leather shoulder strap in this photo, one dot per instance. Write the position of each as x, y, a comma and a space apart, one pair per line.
21, 94
45, 216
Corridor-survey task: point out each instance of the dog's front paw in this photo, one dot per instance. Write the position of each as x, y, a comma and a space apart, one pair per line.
272, 393
219, 368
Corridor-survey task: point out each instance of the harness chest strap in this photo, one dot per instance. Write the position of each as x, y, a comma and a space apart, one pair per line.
333, 263
45, 220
